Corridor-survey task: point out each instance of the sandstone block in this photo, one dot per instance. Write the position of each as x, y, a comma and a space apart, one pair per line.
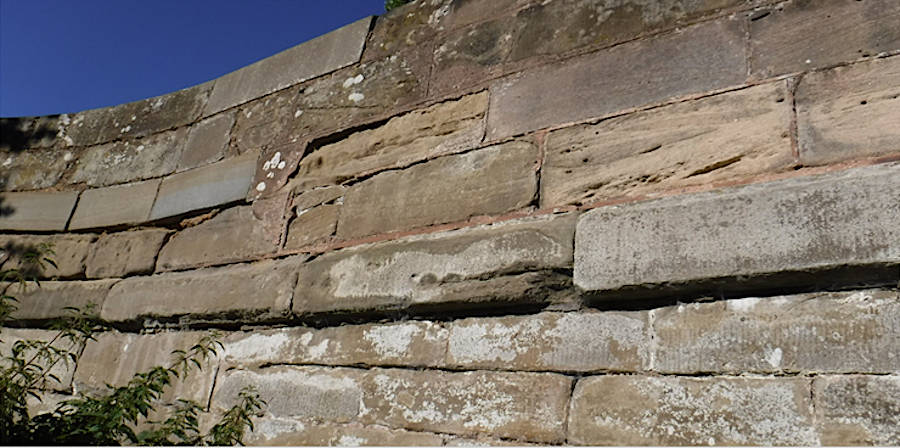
470, 56
818, 332
36, 211
697, 59
49, 300
209, 186
62, 370
257, 290
407, 27
125, 253
438, 130
129, 160
47, 403
115, 205
290, 432
489, 181
805, 35
317, 196
849, 112
69, 253
207, 142
438, 268
114, 358
413, 343
33, 169
714, 139
310, 59
841, 219
551, 341
312, 226
235, 234
641, 410
858, 409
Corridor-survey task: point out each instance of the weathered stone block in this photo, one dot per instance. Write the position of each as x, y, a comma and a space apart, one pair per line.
291, 432
62, 370
641, 410
115, 205
858, 409
445, 128
310, 59
834, 220
410, 26
235, 234
818, 332
317, 196
551, 341
69, 253
714, 139
413, 343
33, 169
804, 35
207, 142
849, 112
125, 253
489, 181
470, 56
432, 269
259, 290
312, 226
114, 358
129, 160
697, 59
36, 210
209, 186
49, 300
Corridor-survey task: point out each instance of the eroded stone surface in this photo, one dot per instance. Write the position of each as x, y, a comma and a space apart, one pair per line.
33, 169
129, 160
291, 432
36, 211
846, 218
819, 332
312, 226
316, 196
642, 410
858, 410
720, 138
406, 27
49, 300
207, 142
125, 253
551, 341
849, 112
433, 268
115, 205
69, 253
488, 181
63, 370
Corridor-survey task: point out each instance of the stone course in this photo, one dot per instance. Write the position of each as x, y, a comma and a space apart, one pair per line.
36, 211
858, 409
69, 253
51, 298
129, 160
125, 253
115, 205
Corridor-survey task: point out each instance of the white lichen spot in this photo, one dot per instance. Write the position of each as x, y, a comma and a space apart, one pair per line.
140, 148
133, 117
274, 162
270, 175
8, 162
773, 357
317, 351
258, 347
298, 113
356, 97
281, 165
261, 187
392, 340
352, 81
743, 305
69, 141
126, 129
68, 156
346, 440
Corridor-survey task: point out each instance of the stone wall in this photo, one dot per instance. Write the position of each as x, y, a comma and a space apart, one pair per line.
501, 222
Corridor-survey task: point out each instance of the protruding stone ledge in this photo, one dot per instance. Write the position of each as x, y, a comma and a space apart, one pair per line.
114, 206
36, 211
51, 298
316, 57
69, 254
812, 224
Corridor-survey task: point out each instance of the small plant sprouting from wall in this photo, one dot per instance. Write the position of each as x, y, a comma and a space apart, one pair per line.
391, 4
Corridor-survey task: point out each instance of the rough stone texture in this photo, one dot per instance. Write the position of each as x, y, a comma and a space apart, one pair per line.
312, 226
432, 268
413, 343
470, 56
438, 130
33, 169
257, 290
849, 112
858, 410
137, 119
310, 59
20, 133
207, 142
694, 60
125, 253
641, 410
129, 160
817, 332
69, 253
115, 205
235, 234
209, 186
63, 371
714, 139
406, 27
49, 300
115, 357
551, 341
47, 403
36, 210
802, 35
845, 218
290, 432
314, 197
493, 180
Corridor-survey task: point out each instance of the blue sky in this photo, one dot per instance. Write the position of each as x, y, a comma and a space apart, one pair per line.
62, 56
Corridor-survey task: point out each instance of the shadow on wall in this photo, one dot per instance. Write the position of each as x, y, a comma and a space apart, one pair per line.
17, 135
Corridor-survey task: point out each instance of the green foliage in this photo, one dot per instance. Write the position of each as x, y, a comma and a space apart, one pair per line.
112, 418
391, 4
